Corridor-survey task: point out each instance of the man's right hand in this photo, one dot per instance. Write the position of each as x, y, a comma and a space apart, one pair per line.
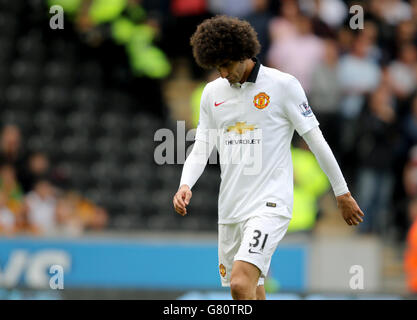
182, 199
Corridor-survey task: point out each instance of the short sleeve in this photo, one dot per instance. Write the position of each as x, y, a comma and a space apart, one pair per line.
205, 124
297, 109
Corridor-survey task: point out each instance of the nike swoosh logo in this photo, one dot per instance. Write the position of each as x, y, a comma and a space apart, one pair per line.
217, 104
250, 251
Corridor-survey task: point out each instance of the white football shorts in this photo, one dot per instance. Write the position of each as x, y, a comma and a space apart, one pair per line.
253, 240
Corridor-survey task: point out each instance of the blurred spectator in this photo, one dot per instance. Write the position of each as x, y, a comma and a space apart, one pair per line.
358, 76
138, 32
331, 12
405, 32
310, 183
10, 143
37, 166
180, 25
285, 24
409, 186
260, 19
41, 207
410, 174
376, 140
67, 216
410, 257
298, 54
7, 218
234, 8
185, 16
196, 98
11, 149
325, 94
409, 128
345, 39
370, 34
403, 71
318, 11
413, 10
78, 212
126, 22
374, 12
13, 192
395, 11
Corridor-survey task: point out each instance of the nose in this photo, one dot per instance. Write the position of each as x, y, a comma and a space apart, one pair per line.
223, 72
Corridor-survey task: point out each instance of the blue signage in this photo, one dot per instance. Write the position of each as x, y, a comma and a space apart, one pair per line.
127, 263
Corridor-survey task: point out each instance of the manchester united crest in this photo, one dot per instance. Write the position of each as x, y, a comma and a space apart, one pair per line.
222, 270
261, 100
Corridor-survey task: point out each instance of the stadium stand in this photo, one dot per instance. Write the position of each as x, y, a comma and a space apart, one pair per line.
69, 102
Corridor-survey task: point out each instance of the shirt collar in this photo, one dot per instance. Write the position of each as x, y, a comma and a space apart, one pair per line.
254, 73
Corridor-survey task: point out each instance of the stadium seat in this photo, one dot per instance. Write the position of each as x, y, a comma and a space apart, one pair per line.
137, 175
21, 97
85, 96
25, 72
113, 123
128, 221
18, 117
80, 121
6, 52
163, 221
7, 22
10, 6
141, 148
54, 97
80, 177
58, 72
145, 125
90, 73
30, 46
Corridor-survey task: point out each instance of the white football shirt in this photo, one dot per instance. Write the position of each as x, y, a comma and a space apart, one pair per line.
253, 125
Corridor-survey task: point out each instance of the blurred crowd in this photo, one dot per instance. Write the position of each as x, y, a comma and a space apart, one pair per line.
34, 198
360, 76
361, 83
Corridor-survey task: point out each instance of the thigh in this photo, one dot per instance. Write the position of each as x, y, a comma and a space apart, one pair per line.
261, 235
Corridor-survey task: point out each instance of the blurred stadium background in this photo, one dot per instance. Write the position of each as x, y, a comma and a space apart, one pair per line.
79, 186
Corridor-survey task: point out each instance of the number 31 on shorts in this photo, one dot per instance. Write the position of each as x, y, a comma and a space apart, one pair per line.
258, 237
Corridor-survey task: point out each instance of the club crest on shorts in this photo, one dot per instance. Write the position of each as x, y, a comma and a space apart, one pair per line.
305, 109
222, 270
261, 100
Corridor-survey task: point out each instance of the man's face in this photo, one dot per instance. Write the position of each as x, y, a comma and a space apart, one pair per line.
233, 71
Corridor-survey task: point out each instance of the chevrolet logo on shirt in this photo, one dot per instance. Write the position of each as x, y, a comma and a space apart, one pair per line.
241, 127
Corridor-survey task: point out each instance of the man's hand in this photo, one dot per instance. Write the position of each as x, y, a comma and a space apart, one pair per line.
350, 209
182, 199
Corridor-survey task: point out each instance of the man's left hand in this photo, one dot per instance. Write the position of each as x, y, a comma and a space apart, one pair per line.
350, 210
